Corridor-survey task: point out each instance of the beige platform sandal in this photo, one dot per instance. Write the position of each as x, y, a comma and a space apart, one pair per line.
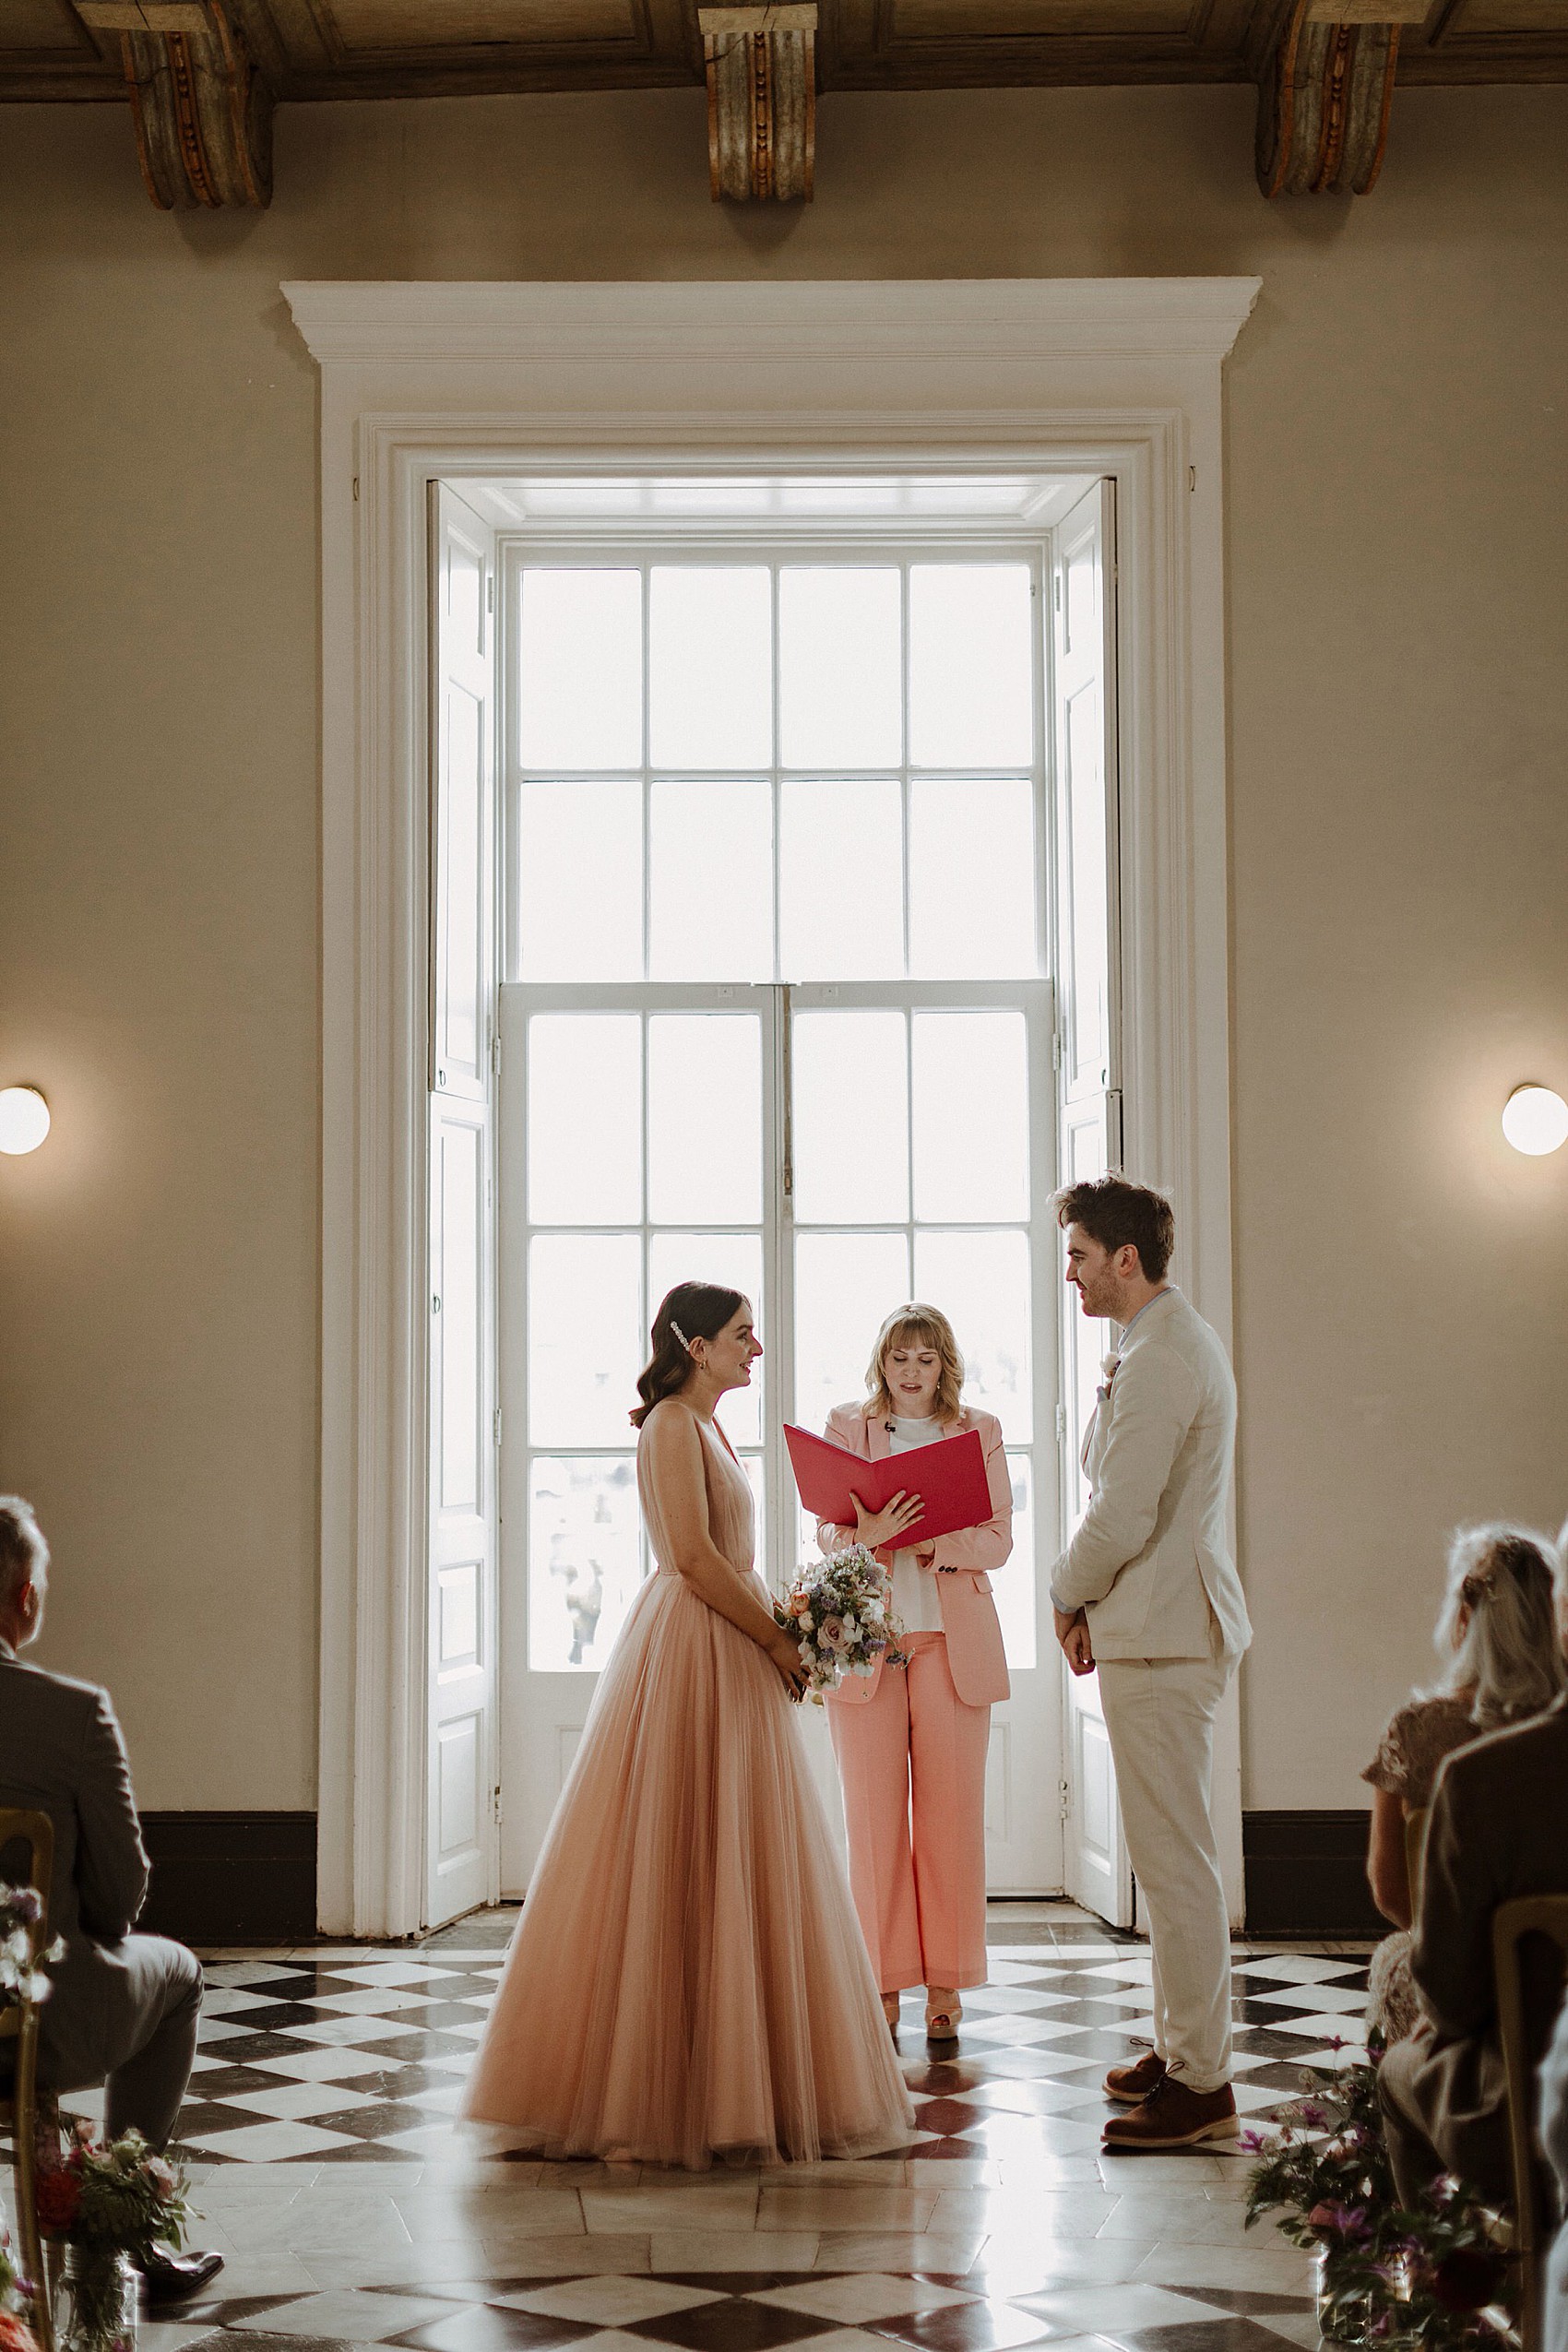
944, 2010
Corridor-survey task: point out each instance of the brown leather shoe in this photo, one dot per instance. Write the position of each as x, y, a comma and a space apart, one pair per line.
1174, 2117
1133, 2083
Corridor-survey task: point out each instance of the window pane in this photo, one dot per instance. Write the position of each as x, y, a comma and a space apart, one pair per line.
839, 646
971, 1116
982, 1283
587, 1337
841, 880
735, 1259
972, 667
580, 882
711, 632
585, 1564
585, 1119
851, 1118
712, 895
1087, 951
704, 1119
580, 669
846, 1285
1014, 1584
972, 879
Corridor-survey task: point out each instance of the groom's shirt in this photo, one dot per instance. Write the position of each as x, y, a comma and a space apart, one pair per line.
1151, 1562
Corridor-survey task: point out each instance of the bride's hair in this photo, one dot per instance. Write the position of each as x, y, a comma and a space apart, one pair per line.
692, 1311
1510, 1580
916, 1325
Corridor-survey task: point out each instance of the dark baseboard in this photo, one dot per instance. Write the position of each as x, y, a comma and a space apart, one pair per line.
1306, 1874
230, 1878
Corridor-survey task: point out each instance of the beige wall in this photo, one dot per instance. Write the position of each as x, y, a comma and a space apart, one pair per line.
1398, 550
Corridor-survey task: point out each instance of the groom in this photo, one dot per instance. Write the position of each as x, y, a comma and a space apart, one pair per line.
1147, 1592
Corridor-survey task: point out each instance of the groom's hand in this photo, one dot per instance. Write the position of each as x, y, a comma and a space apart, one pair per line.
1073, 1633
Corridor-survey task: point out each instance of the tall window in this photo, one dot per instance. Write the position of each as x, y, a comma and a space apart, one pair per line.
775, 941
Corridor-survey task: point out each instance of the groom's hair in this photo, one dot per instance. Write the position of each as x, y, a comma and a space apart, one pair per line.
1114, 1213
23, 1552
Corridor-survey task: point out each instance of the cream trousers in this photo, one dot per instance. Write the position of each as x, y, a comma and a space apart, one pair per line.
1159, 1715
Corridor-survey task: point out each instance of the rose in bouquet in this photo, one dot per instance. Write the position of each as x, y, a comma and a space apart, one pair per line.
841, 1613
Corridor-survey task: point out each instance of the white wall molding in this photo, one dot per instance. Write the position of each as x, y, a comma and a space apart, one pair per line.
739, 324
1120, 376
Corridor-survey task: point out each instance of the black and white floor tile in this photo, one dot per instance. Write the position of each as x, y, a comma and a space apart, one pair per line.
320, 2139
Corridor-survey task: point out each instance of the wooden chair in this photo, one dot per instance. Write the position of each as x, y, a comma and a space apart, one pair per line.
1415, 1848
1525, 2020
24, 2116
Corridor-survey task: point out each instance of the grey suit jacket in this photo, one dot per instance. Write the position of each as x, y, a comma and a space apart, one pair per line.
1498, 1828
62, 1754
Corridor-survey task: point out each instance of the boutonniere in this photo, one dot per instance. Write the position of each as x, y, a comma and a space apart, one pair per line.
1107, 1365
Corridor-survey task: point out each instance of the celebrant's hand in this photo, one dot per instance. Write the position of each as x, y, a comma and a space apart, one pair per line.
890, 1524
1073, 1633
785, 1652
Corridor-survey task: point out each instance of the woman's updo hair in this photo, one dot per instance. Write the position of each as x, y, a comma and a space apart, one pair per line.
692, 1311
1509, 1580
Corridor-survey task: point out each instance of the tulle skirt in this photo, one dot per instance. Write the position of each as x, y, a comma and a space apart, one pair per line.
688, 1980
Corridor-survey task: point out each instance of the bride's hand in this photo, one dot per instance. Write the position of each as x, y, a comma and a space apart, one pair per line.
785, 1651
890, 1524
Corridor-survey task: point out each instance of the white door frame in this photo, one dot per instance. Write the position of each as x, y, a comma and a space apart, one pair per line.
424, 381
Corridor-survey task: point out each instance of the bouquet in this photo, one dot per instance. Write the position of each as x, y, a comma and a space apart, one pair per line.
22, 1978
15, 2335
117, 2197
840, 1611
113, 2204
1432, 2278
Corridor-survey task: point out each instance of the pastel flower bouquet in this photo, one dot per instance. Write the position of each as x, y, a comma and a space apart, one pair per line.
841, 1611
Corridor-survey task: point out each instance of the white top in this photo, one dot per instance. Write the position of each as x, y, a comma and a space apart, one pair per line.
915, 1597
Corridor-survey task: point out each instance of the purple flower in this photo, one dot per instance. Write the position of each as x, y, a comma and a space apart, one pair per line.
1251, 2142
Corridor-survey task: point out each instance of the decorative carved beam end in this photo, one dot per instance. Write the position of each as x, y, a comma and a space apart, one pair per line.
1325, 92
761, 100
203, 114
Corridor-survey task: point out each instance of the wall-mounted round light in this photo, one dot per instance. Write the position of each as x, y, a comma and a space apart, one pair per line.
24, 1118
1534, 1120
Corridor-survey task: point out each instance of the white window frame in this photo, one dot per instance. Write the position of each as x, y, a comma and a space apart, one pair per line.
424, 382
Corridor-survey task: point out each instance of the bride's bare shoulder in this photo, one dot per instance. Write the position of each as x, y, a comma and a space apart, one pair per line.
670, 1424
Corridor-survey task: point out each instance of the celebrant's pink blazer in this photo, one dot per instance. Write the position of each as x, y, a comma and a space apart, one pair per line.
975, 1655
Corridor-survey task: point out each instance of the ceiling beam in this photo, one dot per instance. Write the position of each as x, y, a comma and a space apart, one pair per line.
202, 113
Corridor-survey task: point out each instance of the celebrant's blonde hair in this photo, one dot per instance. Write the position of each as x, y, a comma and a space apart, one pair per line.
916, 1325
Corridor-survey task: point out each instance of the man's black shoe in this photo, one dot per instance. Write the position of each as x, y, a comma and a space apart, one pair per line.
173, 2279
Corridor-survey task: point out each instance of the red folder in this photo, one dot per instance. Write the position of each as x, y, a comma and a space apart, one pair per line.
949, 1476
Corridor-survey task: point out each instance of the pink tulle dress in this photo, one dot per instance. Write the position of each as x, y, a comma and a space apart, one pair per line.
688, 1980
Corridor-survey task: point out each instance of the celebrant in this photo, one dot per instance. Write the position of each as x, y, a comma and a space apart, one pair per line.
912, 1740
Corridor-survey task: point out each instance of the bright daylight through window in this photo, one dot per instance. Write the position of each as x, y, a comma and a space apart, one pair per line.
777, 918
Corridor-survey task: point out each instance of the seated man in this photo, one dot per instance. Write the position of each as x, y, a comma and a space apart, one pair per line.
123, 2007
1499, 1827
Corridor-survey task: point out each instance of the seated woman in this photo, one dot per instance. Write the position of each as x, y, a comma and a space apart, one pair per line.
1499, 1629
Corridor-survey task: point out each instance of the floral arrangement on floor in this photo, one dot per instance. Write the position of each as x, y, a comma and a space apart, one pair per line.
112, 2202
840, 1610
15, 2335
1389, 2277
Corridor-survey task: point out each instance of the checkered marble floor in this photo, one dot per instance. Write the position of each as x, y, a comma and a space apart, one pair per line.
326, 2170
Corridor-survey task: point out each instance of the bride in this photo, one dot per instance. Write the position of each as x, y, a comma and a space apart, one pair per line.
688, 1978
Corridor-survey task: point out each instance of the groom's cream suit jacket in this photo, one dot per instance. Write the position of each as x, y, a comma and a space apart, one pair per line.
1151, 1562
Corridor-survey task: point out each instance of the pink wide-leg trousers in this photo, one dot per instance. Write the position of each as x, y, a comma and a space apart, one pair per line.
912, 1762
